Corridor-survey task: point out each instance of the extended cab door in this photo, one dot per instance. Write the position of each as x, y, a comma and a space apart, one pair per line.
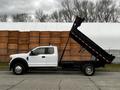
42, 57
51, 57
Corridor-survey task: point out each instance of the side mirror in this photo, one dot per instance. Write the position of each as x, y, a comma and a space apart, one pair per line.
31, 53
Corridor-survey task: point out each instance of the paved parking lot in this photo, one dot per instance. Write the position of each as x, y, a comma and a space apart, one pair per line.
67, 80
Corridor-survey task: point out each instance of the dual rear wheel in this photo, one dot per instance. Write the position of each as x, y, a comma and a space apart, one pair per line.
88, 69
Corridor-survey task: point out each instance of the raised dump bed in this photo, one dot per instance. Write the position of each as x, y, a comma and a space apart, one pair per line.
100, 54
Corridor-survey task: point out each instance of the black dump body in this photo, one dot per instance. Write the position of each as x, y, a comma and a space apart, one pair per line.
101, 55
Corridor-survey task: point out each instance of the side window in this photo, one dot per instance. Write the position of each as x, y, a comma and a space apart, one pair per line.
49, 50
38, 51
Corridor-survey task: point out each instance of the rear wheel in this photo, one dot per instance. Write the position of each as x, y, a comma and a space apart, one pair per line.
88, 69
18, 69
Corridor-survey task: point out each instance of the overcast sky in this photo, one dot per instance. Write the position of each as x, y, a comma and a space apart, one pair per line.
28, 6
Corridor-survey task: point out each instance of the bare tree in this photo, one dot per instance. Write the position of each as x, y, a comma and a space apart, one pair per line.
102, 11
40, 16
65, 16
20, 17
55, 16
3, 18
85, 9
67, 10
91, 12
106, 11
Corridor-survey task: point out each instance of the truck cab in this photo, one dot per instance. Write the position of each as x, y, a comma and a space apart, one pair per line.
42, 56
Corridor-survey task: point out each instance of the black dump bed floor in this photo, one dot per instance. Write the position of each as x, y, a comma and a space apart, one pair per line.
88, 44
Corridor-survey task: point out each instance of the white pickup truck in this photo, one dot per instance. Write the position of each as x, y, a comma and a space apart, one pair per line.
42, 56
47, 56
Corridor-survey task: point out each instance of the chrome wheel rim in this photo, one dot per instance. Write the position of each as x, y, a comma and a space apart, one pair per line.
18, 69
89, 70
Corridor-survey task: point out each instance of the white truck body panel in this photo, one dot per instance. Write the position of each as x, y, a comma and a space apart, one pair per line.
21, 55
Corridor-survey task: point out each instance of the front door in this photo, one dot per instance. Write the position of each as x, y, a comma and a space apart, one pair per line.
37, 58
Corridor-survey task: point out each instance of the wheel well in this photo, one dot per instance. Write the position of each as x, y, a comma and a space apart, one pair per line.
18, 60
87, 62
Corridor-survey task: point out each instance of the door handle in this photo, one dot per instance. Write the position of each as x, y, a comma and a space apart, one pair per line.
43, 56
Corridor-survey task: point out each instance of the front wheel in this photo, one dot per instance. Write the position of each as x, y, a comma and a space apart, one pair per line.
18, 69
88, 69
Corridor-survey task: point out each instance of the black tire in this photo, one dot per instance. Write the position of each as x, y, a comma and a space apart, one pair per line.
19, 69
88, 69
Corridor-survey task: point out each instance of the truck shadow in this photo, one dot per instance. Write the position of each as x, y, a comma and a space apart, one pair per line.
55, 71
63, 72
